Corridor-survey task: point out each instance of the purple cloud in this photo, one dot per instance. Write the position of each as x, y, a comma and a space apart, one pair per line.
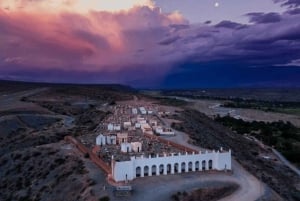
169, 40
128, 46
295, 11
261, 18
260, 44
230, 25
289, 3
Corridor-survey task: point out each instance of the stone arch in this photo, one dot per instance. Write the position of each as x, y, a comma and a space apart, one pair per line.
169, 168
203, 165
176, 167
161, 169
197, 165
210, 164
183, 167
190, 166
153, 169
146, 171
138, 171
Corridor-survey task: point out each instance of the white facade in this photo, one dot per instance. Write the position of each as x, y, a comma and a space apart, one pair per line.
143, 110
111, 139
101, 140
127, 124
142, 121
134, 111
163, 131
137, 125
146, 128
125, 147
113, 127
136, 146
110, 127
140, 167
117, 127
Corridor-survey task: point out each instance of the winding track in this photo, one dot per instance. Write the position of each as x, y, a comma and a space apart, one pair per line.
250, 187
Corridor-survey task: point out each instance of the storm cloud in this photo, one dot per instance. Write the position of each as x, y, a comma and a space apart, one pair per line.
140, 44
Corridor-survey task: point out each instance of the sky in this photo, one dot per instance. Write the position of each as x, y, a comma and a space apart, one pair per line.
152, 43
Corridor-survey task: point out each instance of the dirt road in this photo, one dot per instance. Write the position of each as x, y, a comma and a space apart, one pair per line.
250, 187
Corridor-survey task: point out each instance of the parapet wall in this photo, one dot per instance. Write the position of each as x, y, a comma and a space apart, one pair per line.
149, 166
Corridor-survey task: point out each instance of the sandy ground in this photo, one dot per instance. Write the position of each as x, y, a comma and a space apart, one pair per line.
12, 101
207, 107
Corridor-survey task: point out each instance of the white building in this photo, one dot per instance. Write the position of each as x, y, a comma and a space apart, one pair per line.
126, 147
142, 166
136, 146
129, 147
111, 139
164, 131
134, 111
113, 127
103, 140
100, 140
146, 128
143, 110
117, 127
127, 124
110, 127
137, 125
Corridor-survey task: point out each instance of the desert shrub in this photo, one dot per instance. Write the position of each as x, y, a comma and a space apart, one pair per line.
105, 198
175, 197
60, 161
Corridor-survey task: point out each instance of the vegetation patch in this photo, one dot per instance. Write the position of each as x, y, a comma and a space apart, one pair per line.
267, 106
210, 134
171, 101
284, 136
41, 172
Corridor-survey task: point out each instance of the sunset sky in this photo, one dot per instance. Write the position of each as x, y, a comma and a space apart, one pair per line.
155, 44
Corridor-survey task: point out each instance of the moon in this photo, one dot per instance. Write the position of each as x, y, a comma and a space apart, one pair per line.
217, 4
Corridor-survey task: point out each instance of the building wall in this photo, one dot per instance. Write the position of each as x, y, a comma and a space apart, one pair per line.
103, 140
136, 146
126, 147
110, 127
111, 139
100, 140
140, 167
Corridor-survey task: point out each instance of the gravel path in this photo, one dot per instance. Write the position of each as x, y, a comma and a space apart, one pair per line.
286, 162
